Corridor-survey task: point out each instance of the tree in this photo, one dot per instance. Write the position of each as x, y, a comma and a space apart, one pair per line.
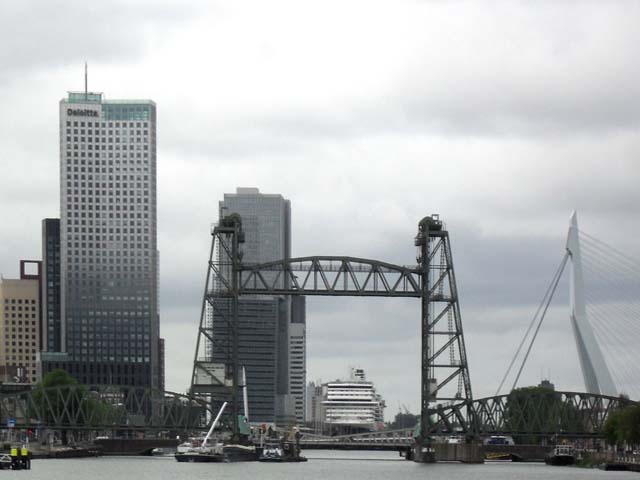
540, 411
612, 429
55, 397
59, 400
623, 426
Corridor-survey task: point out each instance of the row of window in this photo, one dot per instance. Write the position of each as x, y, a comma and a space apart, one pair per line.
14, 322
79, 211
19, 307
20, 315
114, 196
19, 300
97, 155
75, 141
110, 132
97, 259
23, 351
110, 124
111, 215
116, 230
110, 178
83, 147
126, 165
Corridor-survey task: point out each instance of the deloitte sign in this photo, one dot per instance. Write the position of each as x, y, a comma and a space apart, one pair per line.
81, 112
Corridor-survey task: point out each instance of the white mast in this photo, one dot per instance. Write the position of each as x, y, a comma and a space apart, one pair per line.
213, 425
245, 395
597, 378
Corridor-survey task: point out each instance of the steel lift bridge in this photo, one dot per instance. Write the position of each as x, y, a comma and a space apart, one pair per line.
444, 367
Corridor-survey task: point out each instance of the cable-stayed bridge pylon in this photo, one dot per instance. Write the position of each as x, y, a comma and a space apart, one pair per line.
604, 297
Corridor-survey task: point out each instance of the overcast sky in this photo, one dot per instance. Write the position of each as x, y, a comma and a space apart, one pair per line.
502, 117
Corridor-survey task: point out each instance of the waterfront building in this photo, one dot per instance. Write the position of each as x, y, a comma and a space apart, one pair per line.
272, 342
352, 405
20, 324
109, 326
314, 417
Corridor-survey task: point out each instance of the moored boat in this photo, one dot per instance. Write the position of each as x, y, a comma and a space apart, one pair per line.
204, 452
561, 455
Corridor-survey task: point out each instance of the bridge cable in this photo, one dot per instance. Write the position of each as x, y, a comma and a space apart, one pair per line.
533, 320
612, 285
555, 282
612, 251
609, 337
615, 336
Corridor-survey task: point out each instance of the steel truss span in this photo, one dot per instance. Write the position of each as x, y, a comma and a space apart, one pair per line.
77, 407
569, 414
444, 366
334, 276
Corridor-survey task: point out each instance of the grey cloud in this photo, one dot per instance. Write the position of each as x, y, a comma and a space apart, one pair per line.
50, 35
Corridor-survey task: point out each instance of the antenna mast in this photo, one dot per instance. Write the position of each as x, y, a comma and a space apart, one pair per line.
85, 82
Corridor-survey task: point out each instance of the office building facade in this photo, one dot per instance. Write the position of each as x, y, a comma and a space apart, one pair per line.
51, 326
109, 327
274, 369
20, 325
298, 357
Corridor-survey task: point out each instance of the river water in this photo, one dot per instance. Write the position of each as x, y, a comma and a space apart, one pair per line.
321, 465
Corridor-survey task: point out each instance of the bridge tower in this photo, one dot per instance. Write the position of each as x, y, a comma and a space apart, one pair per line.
212, 381
444, 366
597, 378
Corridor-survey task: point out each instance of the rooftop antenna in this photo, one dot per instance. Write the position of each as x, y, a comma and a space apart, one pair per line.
85, 82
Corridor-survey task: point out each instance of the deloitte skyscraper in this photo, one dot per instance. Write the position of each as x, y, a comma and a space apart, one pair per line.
108, 249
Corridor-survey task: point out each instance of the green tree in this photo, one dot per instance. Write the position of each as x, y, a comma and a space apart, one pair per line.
59, 400
540, 412
623, 426
612, 432
55, 397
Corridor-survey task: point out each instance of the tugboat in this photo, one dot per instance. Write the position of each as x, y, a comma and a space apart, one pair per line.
562, 455
281, 451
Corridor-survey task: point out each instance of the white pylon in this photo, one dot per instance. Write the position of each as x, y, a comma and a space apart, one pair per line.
595, 372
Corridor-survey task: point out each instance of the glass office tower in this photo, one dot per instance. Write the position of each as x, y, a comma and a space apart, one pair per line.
272, 344
108, 243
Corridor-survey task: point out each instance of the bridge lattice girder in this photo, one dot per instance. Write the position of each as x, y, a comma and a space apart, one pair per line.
331, 275
75, 407
533, 414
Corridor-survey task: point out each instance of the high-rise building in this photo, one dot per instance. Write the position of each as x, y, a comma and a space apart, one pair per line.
298, 357
20, 325
51, 326
109, 329
272, 329
314, 416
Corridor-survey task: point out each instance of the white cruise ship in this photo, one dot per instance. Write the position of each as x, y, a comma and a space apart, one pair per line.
353, 404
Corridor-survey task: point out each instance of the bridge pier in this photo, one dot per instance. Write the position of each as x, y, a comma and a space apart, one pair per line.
449, 452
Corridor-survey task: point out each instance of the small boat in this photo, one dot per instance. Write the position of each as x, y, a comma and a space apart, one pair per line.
280, 452
199, 455
240, 453
204, 452
562, 455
